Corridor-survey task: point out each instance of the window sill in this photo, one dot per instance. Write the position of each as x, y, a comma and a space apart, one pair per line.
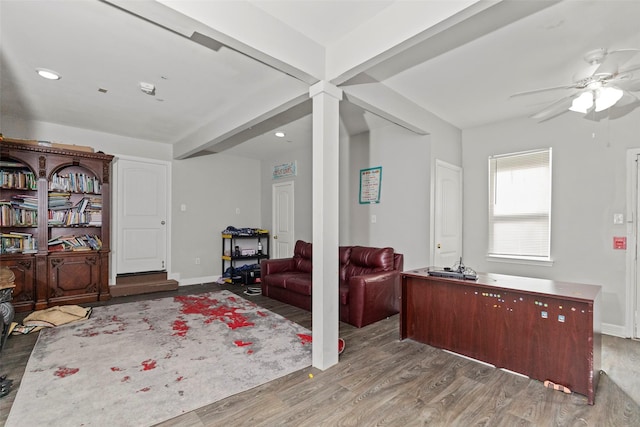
520, 260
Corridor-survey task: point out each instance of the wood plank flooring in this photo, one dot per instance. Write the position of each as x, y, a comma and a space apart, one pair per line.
381, 381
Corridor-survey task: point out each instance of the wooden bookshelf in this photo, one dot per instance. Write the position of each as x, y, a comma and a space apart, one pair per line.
55, 222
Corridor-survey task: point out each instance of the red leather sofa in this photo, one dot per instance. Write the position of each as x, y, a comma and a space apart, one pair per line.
369, 281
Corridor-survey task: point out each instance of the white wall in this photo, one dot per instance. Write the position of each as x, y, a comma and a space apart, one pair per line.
589, 186
99, 141
302, 191
211, 187
403, 214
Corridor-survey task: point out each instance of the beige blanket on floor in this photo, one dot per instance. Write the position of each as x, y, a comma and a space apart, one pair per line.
56, 316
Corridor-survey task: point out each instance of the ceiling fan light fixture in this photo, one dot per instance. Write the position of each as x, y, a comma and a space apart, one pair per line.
583, 103
607, 97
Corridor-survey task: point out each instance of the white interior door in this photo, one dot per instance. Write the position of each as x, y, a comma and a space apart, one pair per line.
635, 321
283, 225
447, 215
142, 201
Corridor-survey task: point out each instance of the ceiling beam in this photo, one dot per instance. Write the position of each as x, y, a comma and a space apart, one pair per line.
234, 127
214, 24
388, 104
451, 27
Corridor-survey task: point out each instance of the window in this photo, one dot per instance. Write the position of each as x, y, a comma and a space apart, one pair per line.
520, 205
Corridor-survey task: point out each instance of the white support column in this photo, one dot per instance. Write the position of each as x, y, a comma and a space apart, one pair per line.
325, 307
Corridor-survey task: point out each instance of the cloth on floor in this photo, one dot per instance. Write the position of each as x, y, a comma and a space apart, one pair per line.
56, 316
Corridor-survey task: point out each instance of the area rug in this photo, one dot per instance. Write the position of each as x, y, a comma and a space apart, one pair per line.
137, 364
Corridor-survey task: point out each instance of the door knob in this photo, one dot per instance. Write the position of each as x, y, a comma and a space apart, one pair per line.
275, 237
162, 222
439, 246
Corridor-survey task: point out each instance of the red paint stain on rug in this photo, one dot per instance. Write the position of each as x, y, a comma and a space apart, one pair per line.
148, 365
115, 369
148, 322
180, 327
262, 314
305, 338
63, 371
144, 389
108, 326
212, 309
240, 343
125, 379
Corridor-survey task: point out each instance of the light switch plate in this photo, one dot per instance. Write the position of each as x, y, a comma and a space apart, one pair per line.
618, 218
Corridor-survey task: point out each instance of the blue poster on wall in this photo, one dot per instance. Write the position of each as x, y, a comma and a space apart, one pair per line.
370, 183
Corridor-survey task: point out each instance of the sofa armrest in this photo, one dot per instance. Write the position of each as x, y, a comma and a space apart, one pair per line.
279, 265
373, 297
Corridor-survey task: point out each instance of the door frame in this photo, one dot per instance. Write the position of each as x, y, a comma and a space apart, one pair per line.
113, 259
632, 323
272, 249
432, 238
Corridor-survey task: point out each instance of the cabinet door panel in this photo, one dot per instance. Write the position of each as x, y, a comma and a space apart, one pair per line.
23, 267
73, 275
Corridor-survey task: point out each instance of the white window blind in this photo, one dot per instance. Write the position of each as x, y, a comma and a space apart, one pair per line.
520, 205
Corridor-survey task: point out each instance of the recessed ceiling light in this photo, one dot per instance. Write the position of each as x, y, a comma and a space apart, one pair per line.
48, 74
280, 134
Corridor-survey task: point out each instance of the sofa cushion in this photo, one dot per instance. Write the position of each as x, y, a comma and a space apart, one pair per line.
303, 256
344, 294
300, 283
364, 260
343, 255
276, 279
281, 280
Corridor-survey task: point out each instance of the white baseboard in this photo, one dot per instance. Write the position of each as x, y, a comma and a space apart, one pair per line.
198, 280
614, 330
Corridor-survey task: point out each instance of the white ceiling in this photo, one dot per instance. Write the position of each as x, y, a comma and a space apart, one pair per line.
464, 75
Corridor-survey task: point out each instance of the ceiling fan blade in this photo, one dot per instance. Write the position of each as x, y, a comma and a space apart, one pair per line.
627, 99
632, 85
614, 59
553, 110
548, 89
632, 68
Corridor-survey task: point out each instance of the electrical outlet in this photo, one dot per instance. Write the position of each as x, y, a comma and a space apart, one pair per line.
373, 219
198, 261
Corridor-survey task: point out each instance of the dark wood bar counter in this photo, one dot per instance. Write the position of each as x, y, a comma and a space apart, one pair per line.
544, 329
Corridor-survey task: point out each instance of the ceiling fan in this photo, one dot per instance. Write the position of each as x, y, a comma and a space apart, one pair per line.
605, 84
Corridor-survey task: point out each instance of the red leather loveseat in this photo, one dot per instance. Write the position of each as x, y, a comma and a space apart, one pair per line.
369, 281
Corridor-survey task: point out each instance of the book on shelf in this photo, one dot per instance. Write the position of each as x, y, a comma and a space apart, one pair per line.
75, 243
17, 179
60, 201
18, 242
75, 182
24, 201
95, 218
57, 247
12, 216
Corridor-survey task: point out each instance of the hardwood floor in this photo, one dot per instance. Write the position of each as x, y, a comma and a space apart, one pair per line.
383, 381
